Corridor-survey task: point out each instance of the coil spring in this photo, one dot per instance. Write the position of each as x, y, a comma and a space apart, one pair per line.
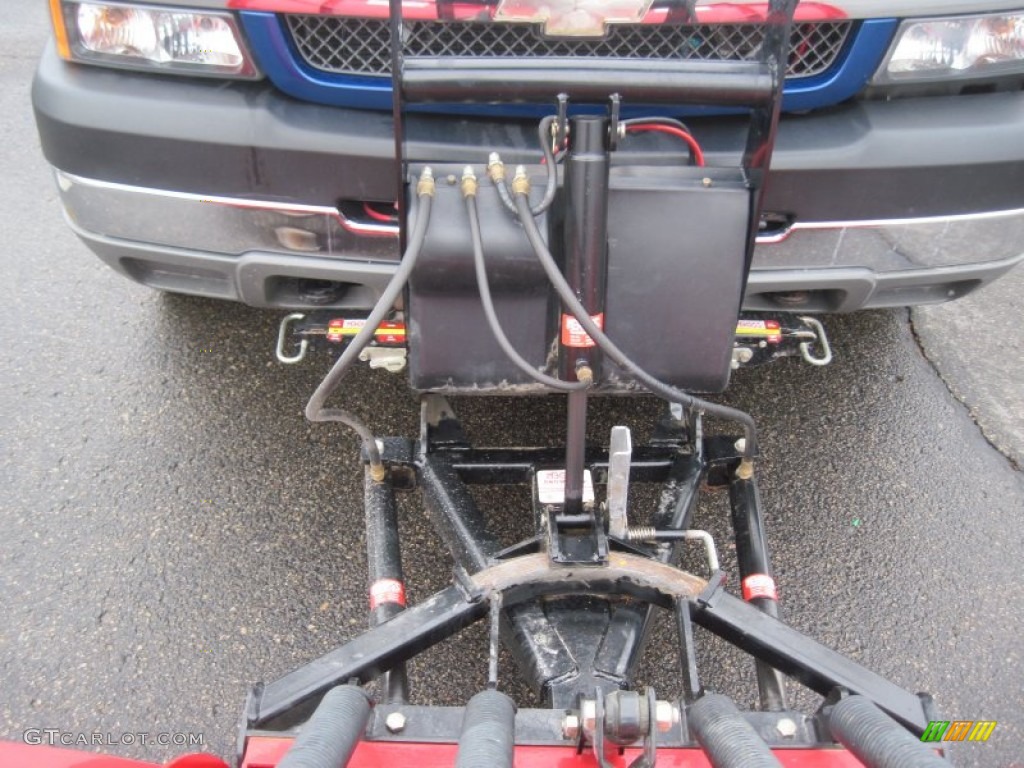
641, 533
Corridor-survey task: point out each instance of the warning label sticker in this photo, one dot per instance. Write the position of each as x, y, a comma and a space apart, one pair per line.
769, 330
340, 328
573, 334
759, 585
551, 486
386, 591
390, 333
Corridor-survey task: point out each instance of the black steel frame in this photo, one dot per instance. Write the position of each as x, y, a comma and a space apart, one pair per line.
523, 577
588, 646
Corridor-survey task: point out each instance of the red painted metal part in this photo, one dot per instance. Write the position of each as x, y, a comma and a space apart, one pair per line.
16, 755
264, 752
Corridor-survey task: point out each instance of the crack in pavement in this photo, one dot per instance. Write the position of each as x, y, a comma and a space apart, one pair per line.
961, 399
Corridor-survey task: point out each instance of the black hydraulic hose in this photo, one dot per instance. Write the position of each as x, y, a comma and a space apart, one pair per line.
330, 736
488, 731
729, 740
544, 135
492, 316
504, 195
606, 345
876, 739
501, 184
315, 410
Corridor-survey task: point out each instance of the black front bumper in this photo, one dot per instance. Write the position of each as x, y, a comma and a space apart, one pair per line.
834, 172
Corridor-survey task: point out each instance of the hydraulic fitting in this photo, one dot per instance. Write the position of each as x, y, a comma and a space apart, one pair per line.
469, 182
495, 168
584, 373
520, 182
426, 185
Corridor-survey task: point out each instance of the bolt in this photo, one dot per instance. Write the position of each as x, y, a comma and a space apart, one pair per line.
706, 181
571, 727
786, 728
452, 180
740, 445
588, 711
395, 722
742, 355
666, 714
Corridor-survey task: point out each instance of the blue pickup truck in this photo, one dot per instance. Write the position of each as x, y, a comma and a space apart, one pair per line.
243, 149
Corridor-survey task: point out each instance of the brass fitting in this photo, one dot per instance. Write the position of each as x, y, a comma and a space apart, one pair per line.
378, 473
469, 182
426, 185
520, 182
495, 168
745, 470
585, 374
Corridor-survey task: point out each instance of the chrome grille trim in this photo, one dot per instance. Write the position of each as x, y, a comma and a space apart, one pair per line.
358, 46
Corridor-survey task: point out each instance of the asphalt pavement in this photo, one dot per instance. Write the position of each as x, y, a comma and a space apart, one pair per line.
173, 530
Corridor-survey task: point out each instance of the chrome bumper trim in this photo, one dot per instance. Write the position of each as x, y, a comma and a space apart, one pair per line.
809, 226
227, 225
170, 236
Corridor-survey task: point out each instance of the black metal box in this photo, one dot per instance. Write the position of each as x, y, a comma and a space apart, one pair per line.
677, 240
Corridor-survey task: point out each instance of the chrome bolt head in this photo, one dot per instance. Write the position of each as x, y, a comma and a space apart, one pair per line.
571, 727
395, 722
666, 714
786, 728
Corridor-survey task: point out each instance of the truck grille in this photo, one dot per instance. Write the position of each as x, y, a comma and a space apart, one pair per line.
355, 46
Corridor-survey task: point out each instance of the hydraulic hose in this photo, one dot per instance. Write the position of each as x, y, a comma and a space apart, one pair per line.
729, 740
544, 136
330, 736
488, 731
496, 170
315, 410
469, 190
609, 348
876, 739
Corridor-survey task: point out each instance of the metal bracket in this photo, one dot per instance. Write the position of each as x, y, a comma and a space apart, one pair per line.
562, 122
619, 456
576, 539
282, 338
613, 124
821, 340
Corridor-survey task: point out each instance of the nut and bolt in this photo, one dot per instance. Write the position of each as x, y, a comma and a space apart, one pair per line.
571, 727
741, 355
588, 714
786, 728
666, 714
395, 722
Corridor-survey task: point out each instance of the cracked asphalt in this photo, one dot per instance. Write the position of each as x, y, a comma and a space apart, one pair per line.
173, 530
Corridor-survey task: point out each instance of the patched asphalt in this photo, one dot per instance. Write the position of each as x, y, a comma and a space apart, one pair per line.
173, 530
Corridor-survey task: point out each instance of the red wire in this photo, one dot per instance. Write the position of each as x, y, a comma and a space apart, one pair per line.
698, 156
377, 215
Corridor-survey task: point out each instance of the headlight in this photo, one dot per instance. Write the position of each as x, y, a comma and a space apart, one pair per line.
966, 47
146, 37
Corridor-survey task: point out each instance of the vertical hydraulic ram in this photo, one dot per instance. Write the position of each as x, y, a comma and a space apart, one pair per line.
586, 267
